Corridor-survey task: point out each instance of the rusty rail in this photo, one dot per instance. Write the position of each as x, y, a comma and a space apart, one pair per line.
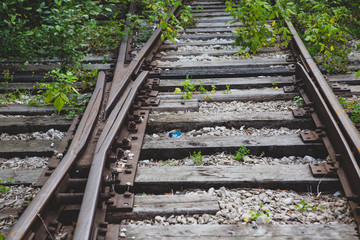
123, 94
31, 219
343, 139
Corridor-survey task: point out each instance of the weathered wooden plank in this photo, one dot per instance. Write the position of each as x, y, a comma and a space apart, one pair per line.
261, 232
223, 19
345, 78
21, 77
234, 83
21, 176
23, 124
174, 46
213, 9
21, 109
167, 205
211, 14
209, 30
206, 36
278, 146
9, 149
295, 177
49, 67
259, 95
190, 121
207, 3
224, 24
168, 105
244, 63
175, 55
223, 73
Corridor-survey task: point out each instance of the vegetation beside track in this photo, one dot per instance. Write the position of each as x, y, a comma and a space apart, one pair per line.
327, 27
68, 30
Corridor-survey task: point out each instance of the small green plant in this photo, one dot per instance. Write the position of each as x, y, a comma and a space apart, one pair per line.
8, 78
167, 163
190, 88
199, 9
6, 180
352, 108
61, 90
304, 206
196, 158
300, 101
227, 89
357, 74
4, 189
201, 88
253, 216
275, 84
241, 153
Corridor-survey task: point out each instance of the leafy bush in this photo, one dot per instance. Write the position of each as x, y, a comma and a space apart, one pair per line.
323, 27
255, 31
61, 90
45, 29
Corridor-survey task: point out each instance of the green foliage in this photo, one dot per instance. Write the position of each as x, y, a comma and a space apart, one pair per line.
352, 108
6, 180
189, 88
167, 163
2, 237
45, 29
196, 158
255, 32
326, 27
68, 29
158, 11
4, 189
304, 206
61, 89
227, 89
241, 153
357, 74
300, 101
253, 216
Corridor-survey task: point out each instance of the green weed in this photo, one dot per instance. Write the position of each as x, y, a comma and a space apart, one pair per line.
241, 153
196, 158
61, 90
300, 101
304, 206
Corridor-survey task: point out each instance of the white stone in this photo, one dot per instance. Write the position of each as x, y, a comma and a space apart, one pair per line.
288, 201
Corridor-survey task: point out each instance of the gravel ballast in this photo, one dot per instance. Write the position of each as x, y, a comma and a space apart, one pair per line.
51, 134
278, 207
229, 159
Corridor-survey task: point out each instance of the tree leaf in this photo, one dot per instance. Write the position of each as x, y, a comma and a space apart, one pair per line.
59, 103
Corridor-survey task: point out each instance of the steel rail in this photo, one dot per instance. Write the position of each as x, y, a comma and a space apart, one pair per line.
35, 210
344, 137
119, 104
84, 227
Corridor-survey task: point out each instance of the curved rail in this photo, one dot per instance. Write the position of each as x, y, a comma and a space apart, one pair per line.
33, 213
121, 97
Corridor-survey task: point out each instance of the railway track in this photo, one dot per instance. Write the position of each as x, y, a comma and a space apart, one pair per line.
127, 174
